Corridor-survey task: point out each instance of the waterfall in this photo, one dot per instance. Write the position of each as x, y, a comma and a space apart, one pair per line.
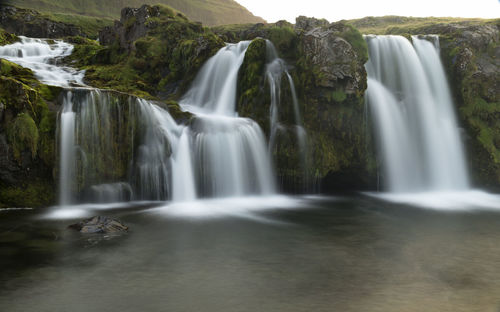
67, 155
43, 57
415, 124
276, 68
116, 147
229, 152
214, 88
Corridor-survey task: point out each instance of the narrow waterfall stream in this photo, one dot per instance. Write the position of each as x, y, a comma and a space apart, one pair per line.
415, 124
276, 70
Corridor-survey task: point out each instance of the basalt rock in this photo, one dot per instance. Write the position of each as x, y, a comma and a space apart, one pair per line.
132, 26
334, 58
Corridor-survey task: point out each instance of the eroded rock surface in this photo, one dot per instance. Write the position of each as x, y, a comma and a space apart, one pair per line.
99, 225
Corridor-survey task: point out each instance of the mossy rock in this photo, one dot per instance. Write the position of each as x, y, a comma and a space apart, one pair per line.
7, 38
36, 193
23, 134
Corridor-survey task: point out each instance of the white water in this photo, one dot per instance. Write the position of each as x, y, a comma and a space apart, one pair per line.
276, 68
67, 151
229, 153
216, 155
214, 88
410, 102
42, 56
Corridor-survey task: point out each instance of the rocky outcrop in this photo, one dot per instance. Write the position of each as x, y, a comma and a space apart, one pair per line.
132, 26
303, 23
153, 51
472, 55
334, 58
30, 23
327, 66
99, 225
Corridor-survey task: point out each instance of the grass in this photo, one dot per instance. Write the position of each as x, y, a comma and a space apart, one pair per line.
209, 12
385, 25
89, 25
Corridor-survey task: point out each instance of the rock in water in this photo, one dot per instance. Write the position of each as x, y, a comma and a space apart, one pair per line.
99, 225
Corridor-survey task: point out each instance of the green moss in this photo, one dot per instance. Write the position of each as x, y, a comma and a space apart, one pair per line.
7, 38
251, 78
23, 74
338, 96
47, 132
284, 39
23, 134
89, 26
164, 61
33, 194
356, 40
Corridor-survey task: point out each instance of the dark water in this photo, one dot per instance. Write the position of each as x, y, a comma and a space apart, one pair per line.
354, 254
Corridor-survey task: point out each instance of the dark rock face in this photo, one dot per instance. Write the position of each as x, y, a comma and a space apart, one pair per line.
99, 225
132, 26
327, 66
30, 23
334, 57
471, 54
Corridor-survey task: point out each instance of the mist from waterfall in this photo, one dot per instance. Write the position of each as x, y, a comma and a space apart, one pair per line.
414, 121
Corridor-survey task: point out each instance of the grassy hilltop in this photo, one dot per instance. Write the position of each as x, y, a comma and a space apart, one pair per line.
209, 12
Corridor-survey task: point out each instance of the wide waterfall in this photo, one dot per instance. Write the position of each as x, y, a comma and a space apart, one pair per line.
416, 128
114, 147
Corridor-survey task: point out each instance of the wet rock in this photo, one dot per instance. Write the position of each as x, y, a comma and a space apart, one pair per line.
99, 225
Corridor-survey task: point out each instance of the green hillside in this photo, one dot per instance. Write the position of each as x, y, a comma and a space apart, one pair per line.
391, 24
209, 12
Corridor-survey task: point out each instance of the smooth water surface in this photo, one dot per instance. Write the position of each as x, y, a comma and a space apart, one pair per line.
309, 254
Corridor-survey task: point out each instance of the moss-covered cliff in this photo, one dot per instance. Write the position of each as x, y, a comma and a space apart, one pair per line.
27, 138
152, 52
326, 62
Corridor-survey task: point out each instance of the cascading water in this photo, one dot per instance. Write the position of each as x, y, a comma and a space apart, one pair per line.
115, 147
409, 99
276, 68
43, 57
229, 152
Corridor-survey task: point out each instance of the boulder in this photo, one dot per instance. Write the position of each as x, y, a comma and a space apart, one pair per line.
99, 225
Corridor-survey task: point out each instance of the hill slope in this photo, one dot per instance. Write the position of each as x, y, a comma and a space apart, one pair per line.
209, 12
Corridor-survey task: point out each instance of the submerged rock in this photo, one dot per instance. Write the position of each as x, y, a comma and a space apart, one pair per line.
99, 225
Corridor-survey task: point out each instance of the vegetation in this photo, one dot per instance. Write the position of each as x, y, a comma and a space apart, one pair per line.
213, 12
89, 25
395, 25
29, 127
7, 38
160, 64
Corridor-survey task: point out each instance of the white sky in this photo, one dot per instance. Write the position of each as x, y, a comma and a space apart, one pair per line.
334, 10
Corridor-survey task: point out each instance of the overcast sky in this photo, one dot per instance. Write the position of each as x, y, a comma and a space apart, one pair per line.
334, 10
